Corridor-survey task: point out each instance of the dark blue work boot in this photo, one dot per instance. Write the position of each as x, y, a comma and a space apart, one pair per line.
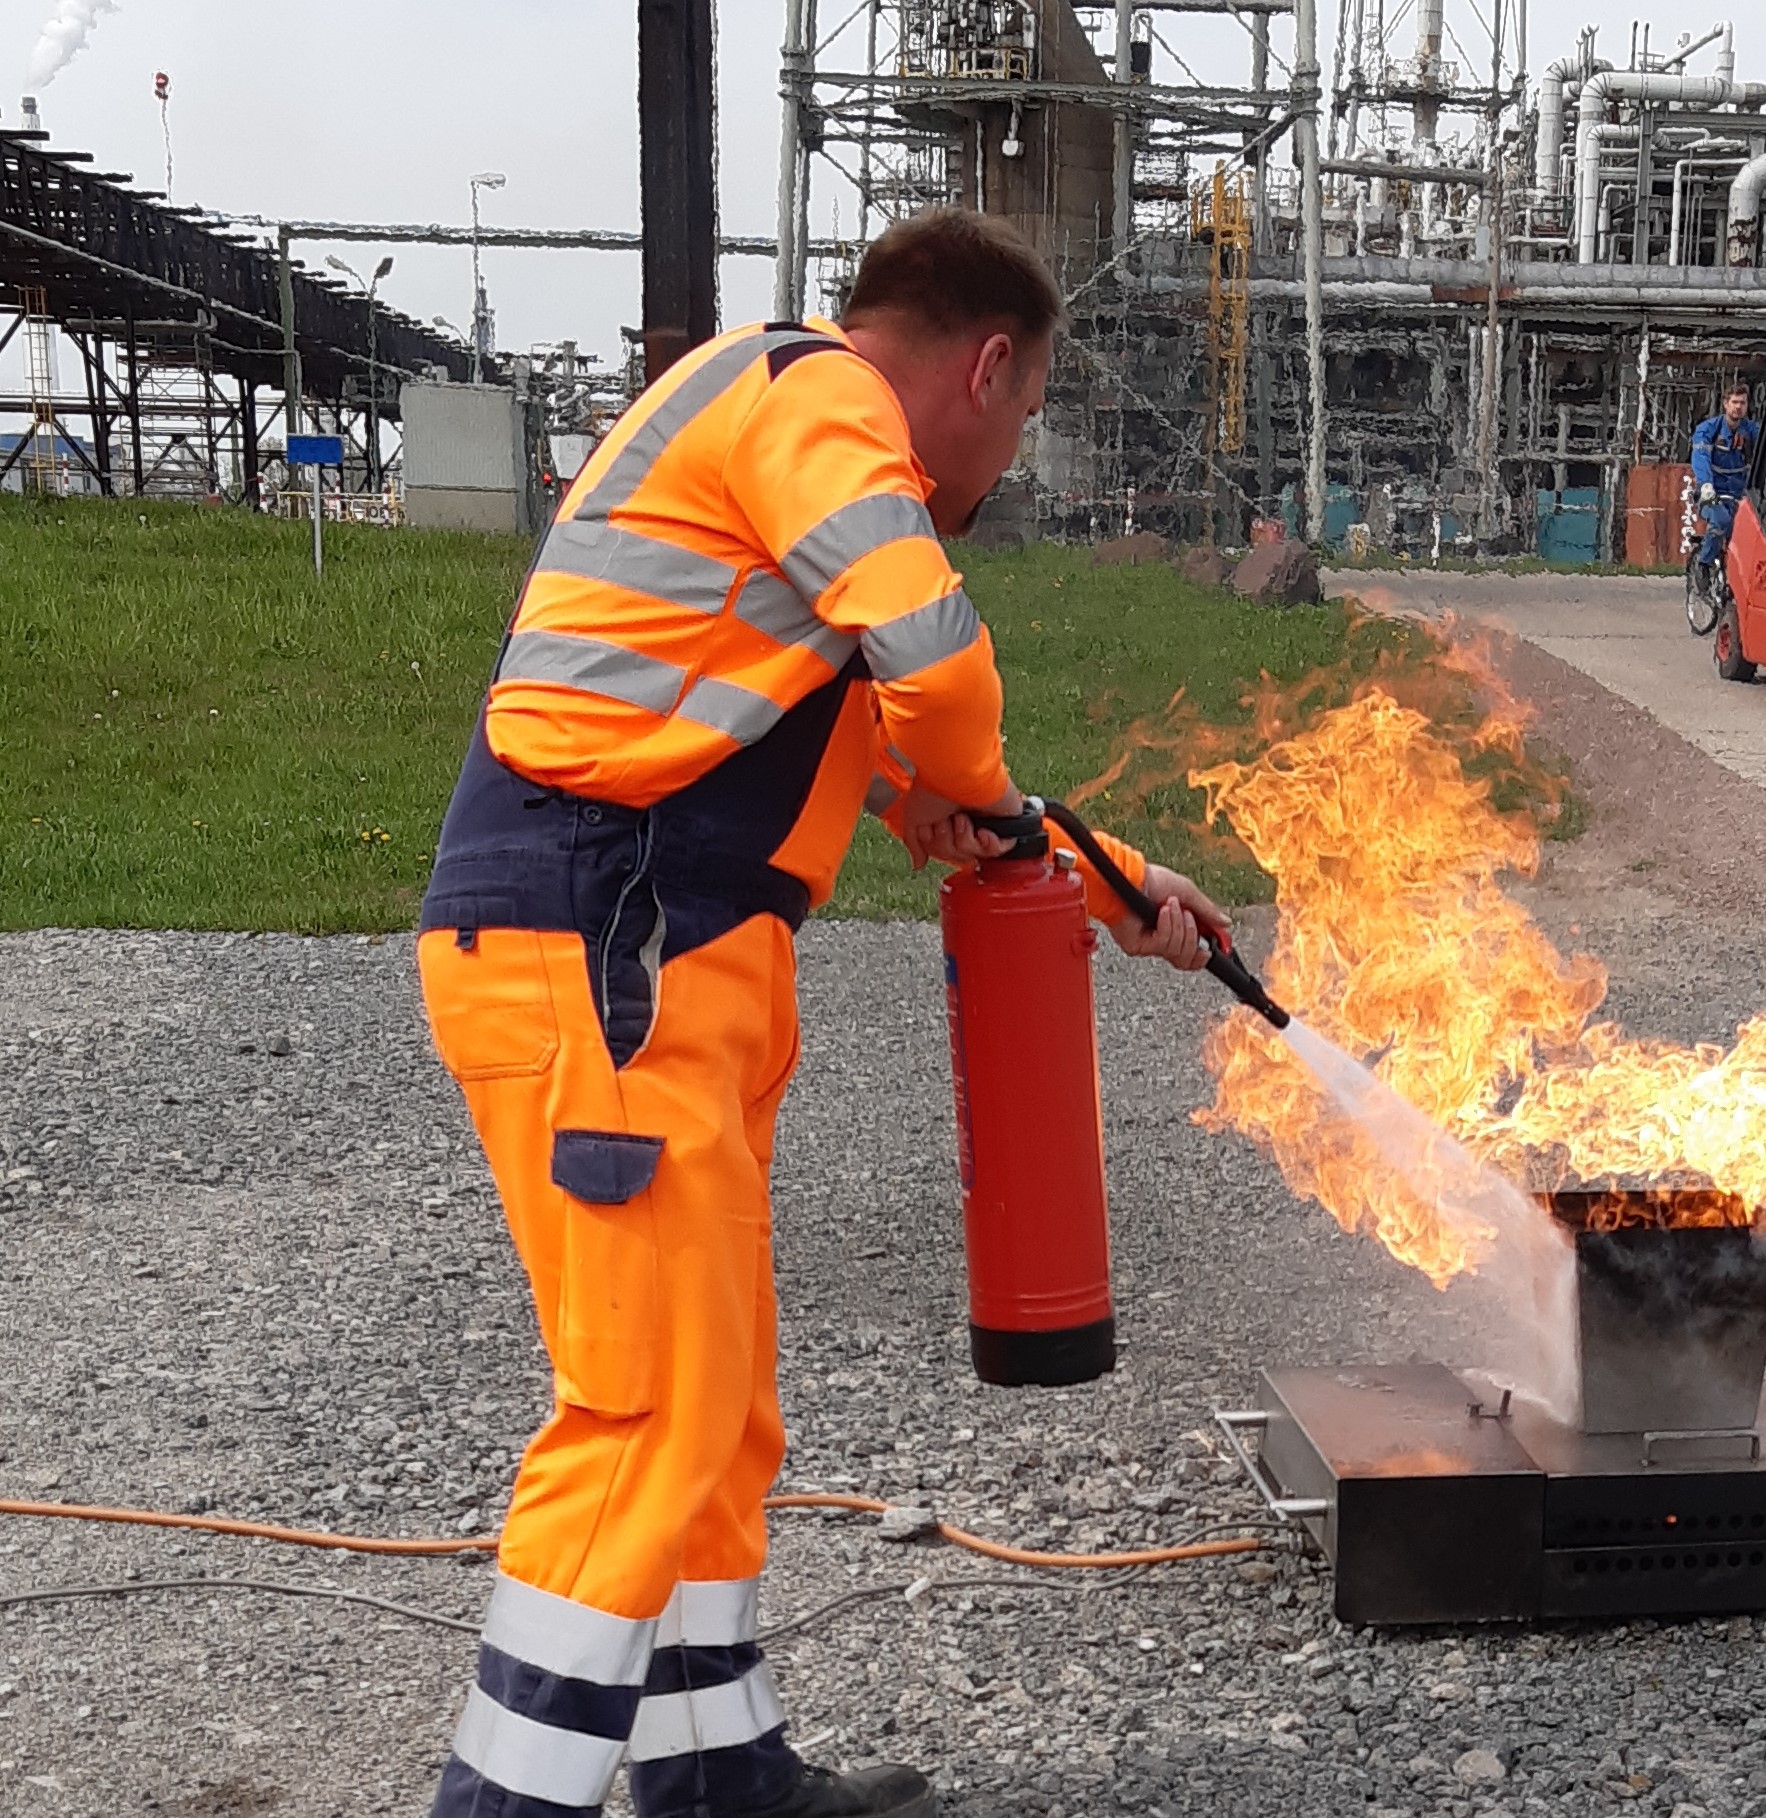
874, 1792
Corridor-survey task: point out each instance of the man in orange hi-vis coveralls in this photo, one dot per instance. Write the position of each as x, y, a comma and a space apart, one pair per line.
740, 628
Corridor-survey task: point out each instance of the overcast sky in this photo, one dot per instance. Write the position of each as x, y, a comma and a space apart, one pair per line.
381, 111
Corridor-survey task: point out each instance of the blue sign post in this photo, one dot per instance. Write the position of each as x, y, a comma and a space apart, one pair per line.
318, 453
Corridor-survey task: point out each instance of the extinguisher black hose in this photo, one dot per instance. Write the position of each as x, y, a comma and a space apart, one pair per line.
1223, 962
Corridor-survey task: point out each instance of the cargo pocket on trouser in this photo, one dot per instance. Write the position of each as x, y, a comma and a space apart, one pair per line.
489, 1001
610, 1300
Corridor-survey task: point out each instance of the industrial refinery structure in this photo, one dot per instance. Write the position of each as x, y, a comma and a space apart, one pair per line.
190, 341
1431, 298
1524, 291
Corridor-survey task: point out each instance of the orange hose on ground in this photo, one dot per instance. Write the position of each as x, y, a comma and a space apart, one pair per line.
251, 1530
992, 1549
487, 1543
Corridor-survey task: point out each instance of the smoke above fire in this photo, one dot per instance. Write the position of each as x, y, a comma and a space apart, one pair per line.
64, 35
1391, 808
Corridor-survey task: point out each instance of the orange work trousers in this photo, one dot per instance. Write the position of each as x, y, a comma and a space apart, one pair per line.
637, 1196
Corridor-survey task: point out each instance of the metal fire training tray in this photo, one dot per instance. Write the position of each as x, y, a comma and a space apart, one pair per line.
1671, 1323
1437, 1502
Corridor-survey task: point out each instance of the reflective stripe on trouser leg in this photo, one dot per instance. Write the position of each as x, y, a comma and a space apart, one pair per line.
710, 1737
710, 1733
546, 1723
656, 1308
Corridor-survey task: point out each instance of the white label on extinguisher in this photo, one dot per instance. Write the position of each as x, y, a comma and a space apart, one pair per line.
959, 1072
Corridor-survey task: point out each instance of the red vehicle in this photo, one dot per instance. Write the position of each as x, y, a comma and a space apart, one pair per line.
1740, 643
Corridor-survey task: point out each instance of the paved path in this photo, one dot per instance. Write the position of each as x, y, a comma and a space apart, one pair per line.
1627, 632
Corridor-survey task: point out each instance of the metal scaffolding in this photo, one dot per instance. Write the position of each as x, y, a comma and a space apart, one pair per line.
1058, 116
1083, 126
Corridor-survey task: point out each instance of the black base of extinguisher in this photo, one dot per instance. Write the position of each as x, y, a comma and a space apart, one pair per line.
1046, 1360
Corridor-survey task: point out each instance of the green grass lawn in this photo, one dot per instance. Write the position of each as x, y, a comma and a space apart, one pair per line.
196, 734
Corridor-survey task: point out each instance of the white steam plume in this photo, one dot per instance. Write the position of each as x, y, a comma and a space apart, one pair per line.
1524, 1285
64, 36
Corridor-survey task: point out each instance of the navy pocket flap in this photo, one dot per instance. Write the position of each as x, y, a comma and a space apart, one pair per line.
603, 1167
469, 909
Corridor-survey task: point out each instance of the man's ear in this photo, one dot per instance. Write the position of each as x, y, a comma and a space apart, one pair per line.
991, 368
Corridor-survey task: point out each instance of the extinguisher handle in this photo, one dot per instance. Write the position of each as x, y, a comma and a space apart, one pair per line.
1223, 962
1024, 833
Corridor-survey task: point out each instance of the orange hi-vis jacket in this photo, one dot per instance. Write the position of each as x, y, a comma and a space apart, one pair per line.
743, 615
753, 528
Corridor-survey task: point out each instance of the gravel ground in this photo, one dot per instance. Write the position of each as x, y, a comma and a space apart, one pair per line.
254, 1265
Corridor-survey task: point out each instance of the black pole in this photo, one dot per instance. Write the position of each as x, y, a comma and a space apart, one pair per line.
92, 354
133, 408
372, 425
248, 418
675, 131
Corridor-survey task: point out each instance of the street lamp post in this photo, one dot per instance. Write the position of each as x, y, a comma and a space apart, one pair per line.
486, 179
369, 287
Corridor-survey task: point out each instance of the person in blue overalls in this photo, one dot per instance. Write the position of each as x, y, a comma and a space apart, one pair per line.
1722, 452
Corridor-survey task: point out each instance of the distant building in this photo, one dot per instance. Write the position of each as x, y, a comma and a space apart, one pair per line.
59, 464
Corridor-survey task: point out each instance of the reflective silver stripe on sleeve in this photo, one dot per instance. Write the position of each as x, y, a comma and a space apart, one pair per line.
594, 551
882, 790
822, 555
558, 1636
919, 639
718, 1717
702, 386
881, 796
591, 666
728, 707
570, 1769
711, 1614
778, 609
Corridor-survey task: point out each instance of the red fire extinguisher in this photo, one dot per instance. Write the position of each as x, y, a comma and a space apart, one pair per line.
1030, 1139
1024, 1057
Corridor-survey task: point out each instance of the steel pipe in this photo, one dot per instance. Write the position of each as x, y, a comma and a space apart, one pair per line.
1745, 195
1683, 169
1549, 146
1593, 180
1725, 57
1657, 86
1522, 296
1122, 129
1307, 97
1378, 169
793, 80
586, 239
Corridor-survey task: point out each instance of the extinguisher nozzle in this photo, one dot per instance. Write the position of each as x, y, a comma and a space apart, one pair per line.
1244, 984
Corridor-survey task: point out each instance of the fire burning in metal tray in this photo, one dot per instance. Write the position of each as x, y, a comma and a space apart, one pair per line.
1450, 1088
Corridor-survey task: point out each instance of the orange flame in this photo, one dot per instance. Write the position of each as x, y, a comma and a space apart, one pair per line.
1377, 818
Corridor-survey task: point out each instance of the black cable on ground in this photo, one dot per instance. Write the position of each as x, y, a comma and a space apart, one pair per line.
796, 1625
67, 1593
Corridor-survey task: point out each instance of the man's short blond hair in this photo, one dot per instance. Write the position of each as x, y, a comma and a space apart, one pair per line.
951, 270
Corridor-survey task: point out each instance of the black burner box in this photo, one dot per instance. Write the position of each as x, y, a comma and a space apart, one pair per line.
1437, 1502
